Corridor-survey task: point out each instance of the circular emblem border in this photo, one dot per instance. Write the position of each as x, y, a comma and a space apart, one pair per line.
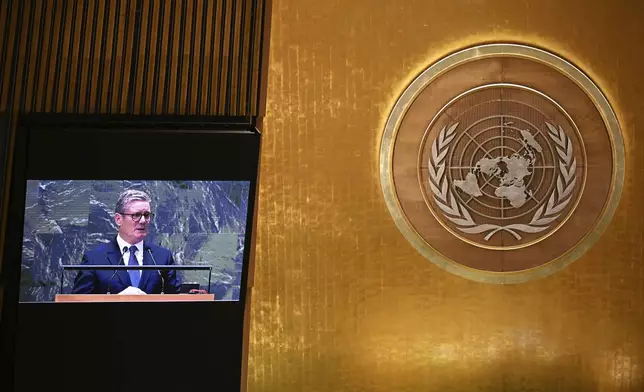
476, 53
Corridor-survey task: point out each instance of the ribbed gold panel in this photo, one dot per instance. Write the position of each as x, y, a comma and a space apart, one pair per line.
132, 56
342, 302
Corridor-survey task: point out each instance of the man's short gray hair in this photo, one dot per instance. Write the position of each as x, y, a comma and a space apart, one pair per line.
129, 196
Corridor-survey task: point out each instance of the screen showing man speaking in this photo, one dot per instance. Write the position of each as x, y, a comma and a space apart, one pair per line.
133, 223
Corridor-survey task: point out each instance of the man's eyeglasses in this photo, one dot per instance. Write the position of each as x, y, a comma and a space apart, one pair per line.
138, 215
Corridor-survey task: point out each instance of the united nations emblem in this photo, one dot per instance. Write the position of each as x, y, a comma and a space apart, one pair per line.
502, 163
503, 170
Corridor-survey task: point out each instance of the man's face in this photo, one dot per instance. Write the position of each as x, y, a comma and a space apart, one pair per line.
129, 229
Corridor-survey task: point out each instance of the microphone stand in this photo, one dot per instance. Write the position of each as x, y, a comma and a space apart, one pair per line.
109, 286
158, 272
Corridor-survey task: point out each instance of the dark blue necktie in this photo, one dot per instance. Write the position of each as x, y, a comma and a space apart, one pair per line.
135, 275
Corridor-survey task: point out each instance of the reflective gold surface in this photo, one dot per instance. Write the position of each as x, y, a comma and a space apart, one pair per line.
342, 302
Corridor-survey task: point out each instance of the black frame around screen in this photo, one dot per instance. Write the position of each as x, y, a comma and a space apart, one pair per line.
80, 347
4, 141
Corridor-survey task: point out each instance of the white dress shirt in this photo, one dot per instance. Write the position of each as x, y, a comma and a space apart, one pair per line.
126, 256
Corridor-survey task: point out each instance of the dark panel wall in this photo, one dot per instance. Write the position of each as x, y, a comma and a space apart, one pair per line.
132, 56
149, 57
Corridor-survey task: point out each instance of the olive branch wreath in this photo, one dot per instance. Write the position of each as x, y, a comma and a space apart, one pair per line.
458, 214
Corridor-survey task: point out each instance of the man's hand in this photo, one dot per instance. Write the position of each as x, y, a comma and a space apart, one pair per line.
131, 290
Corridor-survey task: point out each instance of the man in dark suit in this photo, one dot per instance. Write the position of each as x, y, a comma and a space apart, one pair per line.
129, 247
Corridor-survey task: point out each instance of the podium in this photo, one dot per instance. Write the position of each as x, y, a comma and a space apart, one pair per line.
78, 298
134, 298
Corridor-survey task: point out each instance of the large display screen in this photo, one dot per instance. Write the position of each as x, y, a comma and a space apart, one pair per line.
77, 222
128, 236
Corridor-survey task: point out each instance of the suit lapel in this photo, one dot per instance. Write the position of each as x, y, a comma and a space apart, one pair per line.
146, 273
114, 256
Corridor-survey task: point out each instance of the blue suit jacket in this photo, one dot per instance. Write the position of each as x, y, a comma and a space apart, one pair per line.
98, 281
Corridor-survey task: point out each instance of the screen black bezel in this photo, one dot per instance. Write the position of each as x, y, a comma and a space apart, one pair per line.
55, 146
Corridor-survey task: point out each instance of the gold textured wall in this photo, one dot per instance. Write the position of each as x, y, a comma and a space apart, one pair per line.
341, 301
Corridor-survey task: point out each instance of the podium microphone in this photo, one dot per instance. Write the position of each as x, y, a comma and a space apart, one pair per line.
109, 286
158, 272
